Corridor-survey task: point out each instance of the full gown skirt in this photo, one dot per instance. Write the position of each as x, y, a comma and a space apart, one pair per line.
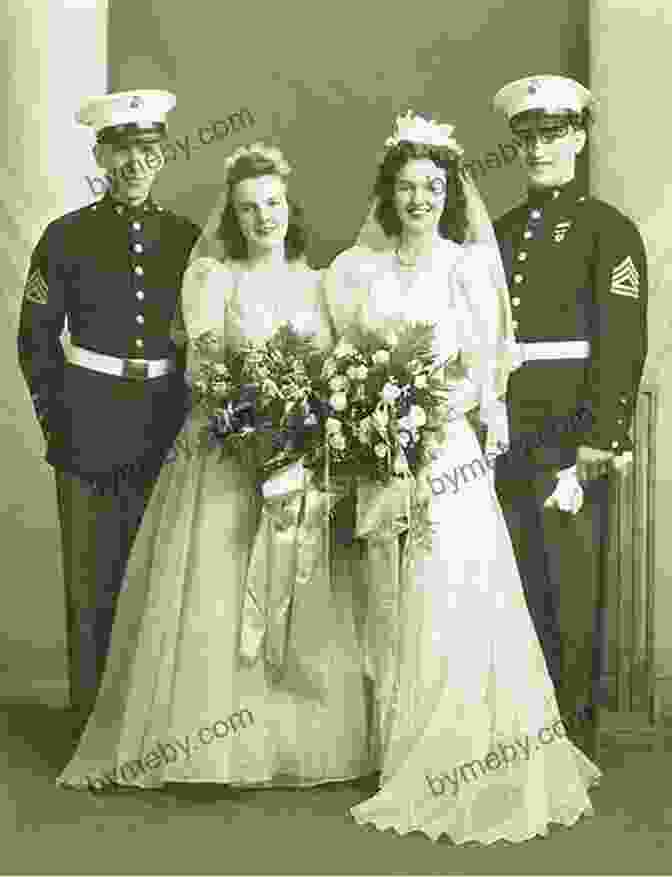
177, 702
468, 720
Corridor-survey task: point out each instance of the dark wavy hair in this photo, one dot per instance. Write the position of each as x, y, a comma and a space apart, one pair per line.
453, 222
250, 167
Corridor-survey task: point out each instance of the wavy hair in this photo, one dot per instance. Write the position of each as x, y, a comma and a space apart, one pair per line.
453, 222
250, 166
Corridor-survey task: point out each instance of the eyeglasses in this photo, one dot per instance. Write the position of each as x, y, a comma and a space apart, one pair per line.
548, 134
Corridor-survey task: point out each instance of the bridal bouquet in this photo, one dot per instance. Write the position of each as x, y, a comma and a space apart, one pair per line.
386, 402
258, 401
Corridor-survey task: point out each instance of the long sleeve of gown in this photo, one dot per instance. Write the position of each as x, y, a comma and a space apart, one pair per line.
486, 337
205, 300
204, 304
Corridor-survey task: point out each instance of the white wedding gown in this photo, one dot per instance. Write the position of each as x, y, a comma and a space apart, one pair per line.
174, 678
464, 677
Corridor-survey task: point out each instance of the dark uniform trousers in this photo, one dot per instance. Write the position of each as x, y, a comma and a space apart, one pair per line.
115, 273
561, 557
576, 271
97, 533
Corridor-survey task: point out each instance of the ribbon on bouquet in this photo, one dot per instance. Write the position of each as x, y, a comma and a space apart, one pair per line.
383, 514
287, 603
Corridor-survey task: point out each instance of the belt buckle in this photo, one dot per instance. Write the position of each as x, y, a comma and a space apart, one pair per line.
135, 369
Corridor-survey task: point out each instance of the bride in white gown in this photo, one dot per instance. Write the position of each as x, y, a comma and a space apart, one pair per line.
468, 721
190, 693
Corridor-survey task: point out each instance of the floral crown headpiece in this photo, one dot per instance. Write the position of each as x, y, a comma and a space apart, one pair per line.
417, 129
282, 166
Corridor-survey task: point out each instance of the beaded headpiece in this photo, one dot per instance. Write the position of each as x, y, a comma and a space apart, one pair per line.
417, 129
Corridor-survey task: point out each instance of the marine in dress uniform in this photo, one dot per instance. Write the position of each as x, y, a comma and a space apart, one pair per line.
110, 411
577, 274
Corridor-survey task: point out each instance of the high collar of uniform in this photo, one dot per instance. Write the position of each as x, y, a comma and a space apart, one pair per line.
122, 209
546, 196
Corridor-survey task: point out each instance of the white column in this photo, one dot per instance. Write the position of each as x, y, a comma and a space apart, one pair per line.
56, 57
631, 68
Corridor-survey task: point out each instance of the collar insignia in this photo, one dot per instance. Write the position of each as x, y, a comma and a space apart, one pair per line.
561, 229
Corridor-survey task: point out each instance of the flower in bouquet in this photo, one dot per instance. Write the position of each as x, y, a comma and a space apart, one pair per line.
385, 390
258, 401
343, 349
390, 392
339, 401
381, 450
329, 368
332, 425
337, 441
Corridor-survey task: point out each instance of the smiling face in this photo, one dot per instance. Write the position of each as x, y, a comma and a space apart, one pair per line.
132, 168
420, 196
262, 211
548, 146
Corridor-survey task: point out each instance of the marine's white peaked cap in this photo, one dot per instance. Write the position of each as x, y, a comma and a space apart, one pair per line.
128, 112
548, 93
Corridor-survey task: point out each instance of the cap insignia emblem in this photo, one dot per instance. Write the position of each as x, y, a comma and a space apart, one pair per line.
135, 102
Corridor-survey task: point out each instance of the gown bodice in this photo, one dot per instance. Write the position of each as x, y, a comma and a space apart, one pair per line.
241, 306
429, 293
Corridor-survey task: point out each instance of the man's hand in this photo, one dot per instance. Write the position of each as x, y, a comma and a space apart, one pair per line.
592, 463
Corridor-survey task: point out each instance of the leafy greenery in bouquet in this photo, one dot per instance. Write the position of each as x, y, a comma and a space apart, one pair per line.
387, 401
258, 400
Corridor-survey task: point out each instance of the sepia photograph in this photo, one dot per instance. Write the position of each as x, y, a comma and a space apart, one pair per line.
333, 427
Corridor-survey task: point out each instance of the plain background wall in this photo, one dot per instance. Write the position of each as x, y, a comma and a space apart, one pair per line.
324, 82
630, 166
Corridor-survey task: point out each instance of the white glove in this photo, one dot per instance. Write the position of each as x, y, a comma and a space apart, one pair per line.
622, 462
497, 421
568, 493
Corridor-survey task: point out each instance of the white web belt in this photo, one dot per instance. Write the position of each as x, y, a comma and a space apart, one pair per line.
138, 369
548, 350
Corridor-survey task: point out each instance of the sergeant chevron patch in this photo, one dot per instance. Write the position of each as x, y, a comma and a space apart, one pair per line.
36, 290
625, 279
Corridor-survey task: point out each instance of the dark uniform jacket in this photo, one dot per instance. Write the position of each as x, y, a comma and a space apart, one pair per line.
576, 269
115, 272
